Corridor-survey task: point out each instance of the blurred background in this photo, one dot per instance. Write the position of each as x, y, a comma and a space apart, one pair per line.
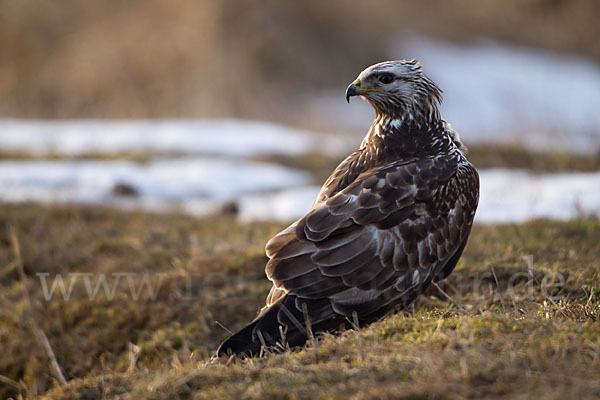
234, 111
237, 106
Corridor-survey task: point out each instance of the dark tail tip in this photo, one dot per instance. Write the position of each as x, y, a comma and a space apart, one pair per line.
263, 331
268, 331
241, 343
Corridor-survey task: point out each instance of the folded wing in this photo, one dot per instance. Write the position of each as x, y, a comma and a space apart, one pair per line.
379, 240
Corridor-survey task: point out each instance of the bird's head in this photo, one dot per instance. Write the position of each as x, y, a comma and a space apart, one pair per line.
397, 89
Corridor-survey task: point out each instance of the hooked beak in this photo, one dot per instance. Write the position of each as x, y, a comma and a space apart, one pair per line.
355, 89
352, 91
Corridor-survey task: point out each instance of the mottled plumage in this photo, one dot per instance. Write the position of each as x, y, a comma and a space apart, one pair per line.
393, 217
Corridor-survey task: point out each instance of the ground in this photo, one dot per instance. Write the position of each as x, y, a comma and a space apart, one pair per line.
518, 318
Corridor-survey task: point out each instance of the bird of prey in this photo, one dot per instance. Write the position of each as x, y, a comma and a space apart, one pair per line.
393, 217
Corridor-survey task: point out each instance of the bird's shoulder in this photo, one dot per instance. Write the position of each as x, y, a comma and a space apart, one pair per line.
366, 172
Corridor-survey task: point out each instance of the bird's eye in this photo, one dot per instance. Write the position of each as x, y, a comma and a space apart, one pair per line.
386, 78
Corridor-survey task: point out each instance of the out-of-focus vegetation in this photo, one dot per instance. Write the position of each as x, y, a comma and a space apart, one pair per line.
503, 156
488, 341
243, 58
481, 155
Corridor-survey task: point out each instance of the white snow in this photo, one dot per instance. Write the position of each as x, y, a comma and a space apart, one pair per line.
197, 184
495, 93
506, 196
209, 137
517, 195
268, 191
283, 205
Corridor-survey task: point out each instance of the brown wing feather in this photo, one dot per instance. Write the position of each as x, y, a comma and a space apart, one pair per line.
357, 243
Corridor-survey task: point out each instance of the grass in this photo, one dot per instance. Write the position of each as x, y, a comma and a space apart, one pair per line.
320, 166
138, 157
507, 156
537, 337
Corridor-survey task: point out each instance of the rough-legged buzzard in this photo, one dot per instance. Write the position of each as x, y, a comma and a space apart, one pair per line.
393, 217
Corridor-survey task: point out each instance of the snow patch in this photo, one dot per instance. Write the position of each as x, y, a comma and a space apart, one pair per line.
209, 137
506, 196
517, 196
284, 205
197, 185
267, 191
